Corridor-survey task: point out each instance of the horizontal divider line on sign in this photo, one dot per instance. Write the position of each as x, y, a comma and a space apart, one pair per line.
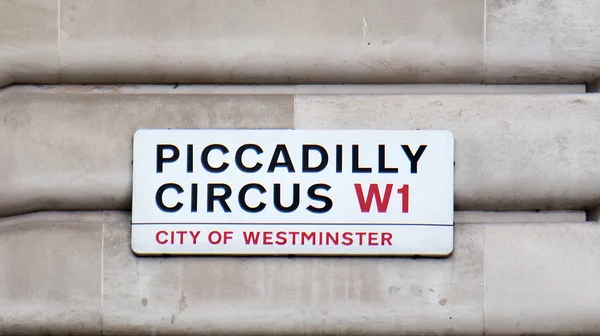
313, 224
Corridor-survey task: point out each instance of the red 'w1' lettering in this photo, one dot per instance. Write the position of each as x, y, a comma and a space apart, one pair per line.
365, 204
404, 192
382, 204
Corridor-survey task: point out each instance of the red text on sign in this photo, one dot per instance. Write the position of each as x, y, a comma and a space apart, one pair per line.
177, 237
216, 237
317, 238
382, 203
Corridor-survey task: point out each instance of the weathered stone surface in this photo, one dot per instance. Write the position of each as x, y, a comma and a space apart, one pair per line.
28, 41
50, 267
206, 41
287, 41
74, 151
69, 150
75, 272
556, 40
542, 278
513, 152
299, 295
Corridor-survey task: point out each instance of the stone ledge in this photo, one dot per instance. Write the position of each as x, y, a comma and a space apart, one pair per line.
313, 89
498, 217
530, 39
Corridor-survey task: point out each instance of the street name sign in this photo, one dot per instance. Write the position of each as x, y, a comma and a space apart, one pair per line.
293, 192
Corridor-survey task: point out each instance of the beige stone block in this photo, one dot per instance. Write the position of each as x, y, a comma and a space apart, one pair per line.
50, 266
542, 41
262, 41
74, 151
74, 272
260, 295
513, 152
542, 278
28, 41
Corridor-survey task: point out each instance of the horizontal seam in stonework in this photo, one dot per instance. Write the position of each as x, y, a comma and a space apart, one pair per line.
55, 215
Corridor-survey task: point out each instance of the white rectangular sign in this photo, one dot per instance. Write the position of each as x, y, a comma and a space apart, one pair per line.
293, 192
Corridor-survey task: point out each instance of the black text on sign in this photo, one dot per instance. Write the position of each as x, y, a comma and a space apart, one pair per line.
293, 192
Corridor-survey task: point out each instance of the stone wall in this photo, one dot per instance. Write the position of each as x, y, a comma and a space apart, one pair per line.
524, 258
87, 73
